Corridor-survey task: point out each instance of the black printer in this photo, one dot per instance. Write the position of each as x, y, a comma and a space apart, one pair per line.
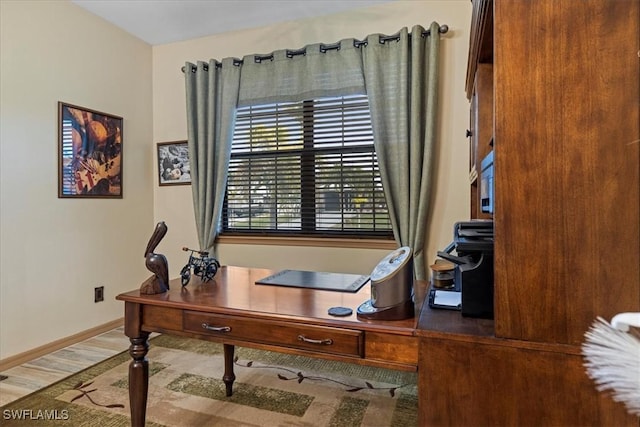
473, 245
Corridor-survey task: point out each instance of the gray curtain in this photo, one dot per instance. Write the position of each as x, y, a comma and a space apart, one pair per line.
401, 78
212, 97
399, 74
315, 71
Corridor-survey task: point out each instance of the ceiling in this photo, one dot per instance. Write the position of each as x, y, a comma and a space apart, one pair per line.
166, 21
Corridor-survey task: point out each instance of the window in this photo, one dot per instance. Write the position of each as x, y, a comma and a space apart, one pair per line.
306, 168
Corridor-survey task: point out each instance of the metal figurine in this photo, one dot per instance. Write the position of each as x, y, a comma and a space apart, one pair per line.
204, 266
156, 263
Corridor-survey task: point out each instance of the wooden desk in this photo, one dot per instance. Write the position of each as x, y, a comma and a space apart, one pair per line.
233, 310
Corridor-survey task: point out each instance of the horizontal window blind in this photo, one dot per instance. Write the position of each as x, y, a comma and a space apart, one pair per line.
306, 168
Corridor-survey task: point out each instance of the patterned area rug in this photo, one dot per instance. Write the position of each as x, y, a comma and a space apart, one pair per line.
186, 389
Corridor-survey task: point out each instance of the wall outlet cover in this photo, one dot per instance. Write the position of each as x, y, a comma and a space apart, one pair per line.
99, 294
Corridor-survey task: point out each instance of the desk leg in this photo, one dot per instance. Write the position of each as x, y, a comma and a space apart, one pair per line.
229, 377
138, 379
139, 366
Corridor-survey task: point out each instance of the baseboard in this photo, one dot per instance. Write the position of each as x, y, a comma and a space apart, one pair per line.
27, 356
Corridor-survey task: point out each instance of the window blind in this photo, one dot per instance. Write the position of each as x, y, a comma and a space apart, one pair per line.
306, 168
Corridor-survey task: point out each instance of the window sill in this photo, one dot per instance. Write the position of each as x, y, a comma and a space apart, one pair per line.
308, 241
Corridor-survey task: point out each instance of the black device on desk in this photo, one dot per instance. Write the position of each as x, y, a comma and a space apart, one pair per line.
473, 278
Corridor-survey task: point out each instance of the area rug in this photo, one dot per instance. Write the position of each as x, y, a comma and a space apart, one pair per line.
186, 389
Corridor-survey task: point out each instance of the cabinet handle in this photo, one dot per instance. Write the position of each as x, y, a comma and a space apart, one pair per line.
469, 133
326, 341
216, 328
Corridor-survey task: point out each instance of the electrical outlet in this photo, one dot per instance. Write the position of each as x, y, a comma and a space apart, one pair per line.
98, 294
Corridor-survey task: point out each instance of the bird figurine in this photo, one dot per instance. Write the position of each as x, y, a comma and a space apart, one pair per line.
156, 263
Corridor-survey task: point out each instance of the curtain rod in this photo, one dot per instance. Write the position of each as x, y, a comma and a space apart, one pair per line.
323, 48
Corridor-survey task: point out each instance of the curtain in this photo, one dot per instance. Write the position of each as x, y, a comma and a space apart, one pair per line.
315, 71
401, 78
398, 73
212, 96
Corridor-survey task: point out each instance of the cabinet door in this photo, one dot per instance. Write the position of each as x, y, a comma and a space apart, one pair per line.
482, 106
473, 155
567, 221
502, 384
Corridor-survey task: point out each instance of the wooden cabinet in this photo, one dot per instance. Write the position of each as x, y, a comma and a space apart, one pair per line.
507, 383
565, 123
567, 113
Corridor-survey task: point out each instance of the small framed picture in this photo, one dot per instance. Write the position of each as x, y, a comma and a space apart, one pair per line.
173, 163
89, 153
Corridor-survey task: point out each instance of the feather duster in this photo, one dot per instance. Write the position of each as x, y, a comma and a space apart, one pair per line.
612, 358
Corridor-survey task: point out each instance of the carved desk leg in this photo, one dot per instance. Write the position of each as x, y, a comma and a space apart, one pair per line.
139, 379
139, 366
229, 377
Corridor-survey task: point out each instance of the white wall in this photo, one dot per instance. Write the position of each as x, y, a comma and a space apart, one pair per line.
55, 251
174, 205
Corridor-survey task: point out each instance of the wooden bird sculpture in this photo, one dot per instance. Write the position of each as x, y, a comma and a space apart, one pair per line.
156, 263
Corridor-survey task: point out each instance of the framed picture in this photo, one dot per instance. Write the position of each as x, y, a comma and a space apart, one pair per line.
89, 153
173, 163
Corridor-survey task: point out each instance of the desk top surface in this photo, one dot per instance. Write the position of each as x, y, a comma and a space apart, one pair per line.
233, 291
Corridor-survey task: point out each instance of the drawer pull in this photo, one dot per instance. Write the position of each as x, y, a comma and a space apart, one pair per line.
326, 341
216, 328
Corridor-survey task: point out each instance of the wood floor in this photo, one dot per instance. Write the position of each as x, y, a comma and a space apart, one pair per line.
38, 373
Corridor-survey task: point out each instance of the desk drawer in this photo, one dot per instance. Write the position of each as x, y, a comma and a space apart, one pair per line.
282, 334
